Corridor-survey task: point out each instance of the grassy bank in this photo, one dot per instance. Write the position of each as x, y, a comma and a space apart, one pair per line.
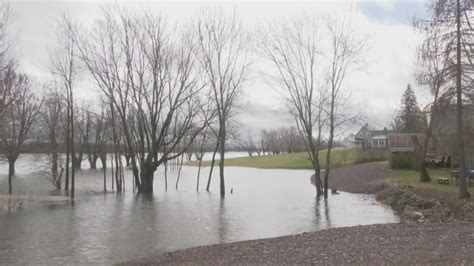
411, 177
290, 161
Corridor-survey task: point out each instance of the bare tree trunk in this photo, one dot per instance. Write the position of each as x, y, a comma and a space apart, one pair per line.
328, 163
122, 175
104, 168
330, 141
463, 193
147, 176
179, 170
199, 173
71, 118
424, 176
221, 161
93, 162
166, 175
117, 170
11, 173
112, 170
213, 160
68, 154
11, 166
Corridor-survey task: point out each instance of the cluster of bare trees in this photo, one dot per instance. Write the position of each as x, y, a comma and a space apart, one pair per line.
152, 77
164, 88
19, 107
447, 70
274, 141
167, 89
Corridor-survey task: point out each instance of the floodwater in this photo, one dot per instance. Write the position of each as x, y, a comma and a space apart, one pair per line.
106, 228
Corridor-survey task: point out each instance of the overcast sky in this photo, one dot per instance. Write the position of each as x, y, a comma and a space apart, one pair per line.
377, 90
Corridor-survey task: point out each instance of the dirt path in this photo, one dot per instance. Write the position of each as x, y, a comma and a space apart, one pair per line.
393, 244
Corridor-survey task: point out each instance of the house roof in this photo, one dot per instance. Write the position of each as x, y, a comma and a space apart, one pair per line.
404, 141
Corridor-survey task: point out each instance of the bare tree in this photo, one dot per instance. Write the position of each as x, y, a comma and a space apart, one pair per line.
83, 131
451, 20
293, 47
431, 75
51, 113
63, 64
17, 122
202, 141
7, 63
222, 55
150, 81
345, 55
311, 73
97, 143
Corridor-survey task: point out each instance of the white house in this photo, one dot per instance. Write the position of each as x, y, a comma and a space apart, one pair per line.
372, 139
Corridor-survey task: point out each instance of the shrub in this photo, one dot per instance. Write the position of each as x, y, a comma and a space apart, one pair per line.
403, 160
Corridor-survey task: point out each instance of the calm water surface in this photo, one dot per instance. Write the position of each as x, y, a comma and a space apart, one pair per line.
103, 228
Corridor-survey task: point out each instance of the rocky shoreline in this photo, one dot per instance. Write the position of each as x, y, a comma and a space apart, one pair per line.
388, 244
417, 205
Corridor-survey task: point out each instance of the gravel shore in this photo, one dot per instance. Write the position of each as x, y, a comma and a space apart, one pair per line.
392, 244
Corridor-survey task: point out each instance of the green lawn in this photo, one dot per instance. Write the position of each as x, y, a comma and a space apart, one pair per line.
411, 177
290, 161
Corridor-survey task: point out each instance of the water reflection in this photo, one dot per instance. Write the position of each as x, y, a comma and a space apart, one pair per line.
104, 228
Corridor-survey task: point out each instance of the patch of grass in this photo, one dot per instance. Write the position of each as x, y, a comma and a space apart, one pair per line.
411, 177
299, 160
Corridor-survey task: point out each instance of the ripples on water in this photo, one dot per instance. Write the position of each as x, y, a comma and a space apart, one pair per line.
103, 228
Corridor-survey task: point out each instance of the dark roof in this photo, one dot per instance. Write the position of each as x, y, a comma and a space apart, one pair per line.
380, 132
404, 141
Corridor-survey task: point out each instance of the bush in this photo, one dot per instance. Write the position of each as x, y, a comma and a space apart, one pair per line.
403, 160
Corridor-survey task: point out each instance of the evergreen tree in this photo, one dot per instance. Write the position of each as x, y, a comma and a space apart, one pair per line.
410, 116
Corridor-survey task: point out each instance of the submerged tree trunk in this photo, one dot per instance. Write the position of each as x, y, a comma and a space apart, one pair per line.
112, 171
54, 161
221, 161
179, 169
11, 172
166, 176
317, 180
146, 177
93, 162
68, 150
104, 168
11, 166
212, 165
199, 172
328, 168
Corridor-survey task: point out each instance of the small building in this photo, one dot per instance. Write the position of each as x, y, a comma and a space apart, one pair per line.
372, 139
405, 142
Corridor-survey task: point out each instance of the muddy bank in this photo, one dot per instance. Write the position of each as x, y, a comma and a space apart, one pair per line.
412, 205
423, 205
393, 244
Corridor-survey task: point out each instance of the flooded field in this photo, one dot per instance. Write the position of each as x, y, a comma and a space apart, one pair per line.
108, 227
